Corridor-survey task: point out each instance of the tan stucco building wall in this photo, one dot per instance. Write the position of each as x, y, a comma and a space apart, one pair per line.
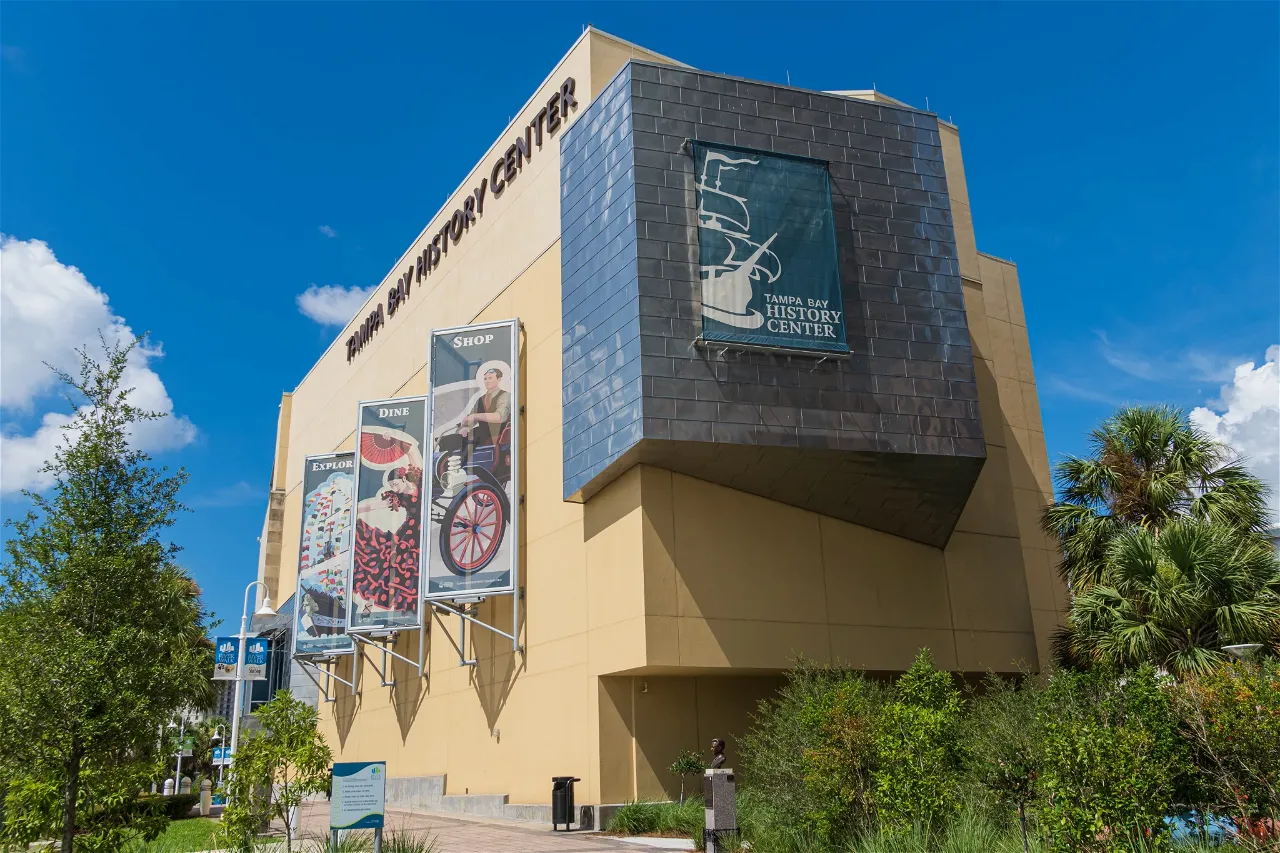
652, 618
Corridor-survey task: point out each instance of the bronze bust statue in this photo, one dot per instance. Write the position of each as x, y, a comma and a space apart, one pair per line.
717, 753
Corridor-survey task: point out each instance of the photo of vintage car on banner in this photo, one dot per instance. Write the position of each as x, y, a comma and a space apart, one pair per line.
474, 435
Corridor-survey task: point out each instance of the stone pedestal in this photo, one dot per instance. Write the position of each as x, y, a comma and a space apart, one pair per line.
168, 787
184, 787
720, 796
206, 797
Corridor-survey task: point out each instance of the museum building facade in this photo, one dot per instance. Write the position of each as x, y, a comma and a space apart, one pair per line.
764, 399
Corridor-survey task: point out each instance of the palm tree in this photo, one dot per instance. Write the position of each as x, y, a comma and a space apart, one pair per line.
1148, 467
1175, 597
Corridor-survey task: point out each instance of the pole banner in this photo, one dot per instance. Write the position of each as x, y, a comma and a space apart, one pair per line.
324, 553
226, 656
385, 565
475, 433
256, 651
767, 250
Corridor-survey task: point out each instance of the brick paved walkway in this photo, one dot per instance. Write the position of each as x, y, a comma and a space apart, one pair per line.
475, 835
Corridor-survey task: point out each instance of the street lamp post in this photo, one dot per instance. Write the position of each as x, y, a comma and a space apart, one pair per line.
264, 610
182, 731
222, 765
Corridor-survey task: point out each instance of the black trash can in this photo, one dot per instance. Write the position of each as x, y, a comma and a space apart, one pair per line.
562, 801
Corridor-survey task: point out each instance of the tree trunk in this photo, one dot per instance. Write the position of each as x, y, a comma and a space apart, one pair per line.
1022, 820
70, 794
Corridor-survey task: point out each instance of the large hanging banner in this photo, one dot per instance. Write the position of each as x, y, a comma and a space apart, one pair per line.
385, 565
767, 250
324, 554
475, 436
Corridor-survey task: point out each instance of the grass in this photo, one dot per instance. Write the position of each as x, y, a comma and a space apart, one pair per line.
644, 818
181, 836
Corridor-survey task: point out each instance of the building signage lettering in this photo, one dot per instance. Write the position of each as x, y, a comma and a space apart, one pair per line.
548, 120
334, 465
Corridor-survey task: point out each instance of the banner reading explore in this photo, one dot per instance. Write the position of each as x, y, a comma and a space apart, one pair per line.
767, 250
324, 554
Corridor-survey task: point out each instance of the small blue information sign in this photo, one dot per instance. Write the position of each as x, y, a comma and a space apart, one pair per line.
359, 795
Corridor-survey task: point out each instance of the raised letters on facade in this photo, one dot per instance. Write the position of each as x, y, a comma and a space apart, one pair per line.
548, 121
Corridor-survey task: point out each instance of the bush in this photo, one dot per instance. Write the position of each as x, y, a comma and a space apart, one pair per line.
811, 753
1112, 761
918, 750
1231, 717
643, 818
1002, 748
179, 806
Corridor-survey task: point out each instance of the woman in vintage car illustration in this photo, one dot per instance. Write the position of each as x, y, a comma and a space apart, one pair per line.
472, 467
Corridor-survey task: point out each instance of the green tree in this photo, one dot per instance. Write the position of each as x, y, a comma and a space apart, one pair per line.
1148, 466
687, 763
103, 633
919, 750
275, 769
1176, 596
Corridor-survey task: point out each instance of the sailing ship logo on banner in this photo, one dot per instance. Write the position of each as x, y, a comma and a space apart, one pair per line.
727, 284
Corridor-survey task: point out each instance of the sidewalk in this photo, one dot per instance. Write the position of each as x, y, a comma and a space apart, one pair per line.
456, 834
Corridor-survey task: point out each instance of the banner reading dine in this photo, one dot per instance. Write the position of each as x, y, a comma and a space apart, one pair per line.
383, 588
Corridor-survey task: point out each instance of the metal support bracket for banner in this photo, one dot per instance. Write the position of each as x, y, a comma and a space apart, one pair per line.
381, 640
329, 676
461, 611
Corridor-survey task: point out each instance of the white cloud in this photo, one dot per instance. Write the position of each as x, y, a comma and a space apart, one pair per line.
1248, 419
234, 495
47, 311
328, 231
332, 304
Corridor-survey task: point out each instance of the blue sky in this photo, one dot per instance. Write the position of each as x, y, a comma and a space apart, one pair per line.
204, 164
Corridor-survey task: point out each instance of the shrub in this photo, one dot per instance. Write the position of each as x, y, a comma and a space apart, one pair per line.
1113, 761
1003, 746
918, 750
810, 753
1231, 717
178, 806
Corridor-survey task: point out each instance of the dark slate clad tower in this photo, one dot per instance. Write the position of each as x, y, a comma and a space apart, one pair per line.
889, 437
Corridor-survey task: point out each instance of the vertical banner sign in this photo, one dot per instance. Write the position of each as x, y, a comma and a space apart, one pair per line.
324, 553
385, 566
225, 656
359, 795
475, 436
767, 250
256, 651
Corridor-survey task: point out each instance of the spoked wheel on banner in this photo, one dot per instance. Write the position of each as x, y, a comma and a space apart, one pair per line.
472, 528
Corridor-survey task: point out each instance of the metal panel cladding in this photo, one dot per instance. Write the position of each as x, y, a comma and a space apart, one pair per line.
386, 561
324, 554
472, 538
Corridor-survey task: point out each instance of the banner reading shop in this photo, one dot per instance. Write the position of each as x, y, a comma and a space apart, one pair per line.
474, 440
382, 591
324, 554
767, 250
